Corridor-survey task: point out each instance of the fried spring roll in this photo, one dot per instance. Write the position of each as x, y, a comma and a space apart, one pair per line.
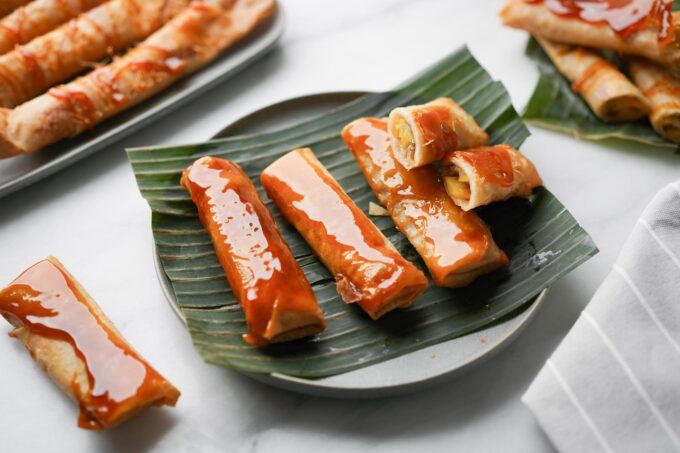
276, 298
367, 268
662, 89
456, 246
639, 38
66, 332
7, 6
609, 93
29, 70
37, 18
479, 176
421, 134
185, 44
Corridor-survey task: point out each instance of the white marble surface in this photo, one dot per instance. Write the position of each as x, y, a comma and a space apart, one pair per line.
92, 217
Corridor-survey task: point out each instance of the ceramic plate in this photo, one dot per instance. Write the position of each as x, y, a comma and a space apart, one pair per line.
24, 170
407, 373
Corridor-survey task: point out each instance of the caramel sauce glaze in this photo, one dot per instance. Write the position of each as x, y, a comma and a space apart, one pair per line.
622, 16
367, 268
261, 269
491, 163
434, 123
47, 302
446, 237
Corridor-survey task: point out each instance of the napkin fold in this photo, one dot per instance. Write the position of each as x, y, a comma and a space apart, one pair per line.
613, 384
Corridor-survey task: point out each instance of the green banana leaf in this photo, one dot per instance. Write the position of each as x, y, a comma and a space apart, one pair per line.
555, 106
542, 239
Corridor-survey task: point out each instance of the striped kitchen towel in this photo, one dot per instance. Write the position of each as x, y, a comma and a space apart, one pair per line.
613, 384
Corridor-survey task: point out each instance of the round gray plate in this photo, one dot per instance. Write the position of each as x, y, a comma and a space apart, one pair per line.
410, 372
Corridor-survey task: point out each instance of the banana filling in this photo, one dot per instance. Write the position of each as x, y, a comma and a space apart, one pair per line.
457, 184
406, 139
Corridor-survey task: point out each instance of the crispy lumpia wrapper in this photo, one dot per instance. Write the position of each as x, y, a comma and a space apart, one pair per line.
434, 128
277, 300
608, 92
662, 89
38, 18
367, 268
495, 173
29, 70
538, 20
79, 348
456, 246
185, 44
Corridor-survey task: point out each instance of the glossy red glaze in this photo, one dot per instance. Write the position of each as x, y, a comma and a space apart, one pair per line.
447, 237
492, 163
47, 302
434, 123
367, 269
622, 16
261, 269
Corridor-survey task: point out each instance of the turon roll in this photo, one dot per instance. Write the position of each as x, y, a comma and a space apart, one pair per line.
367, 268
456, 246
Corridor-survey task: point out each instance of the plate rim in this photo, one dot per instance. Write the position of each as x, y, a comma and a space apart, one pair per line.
317, 387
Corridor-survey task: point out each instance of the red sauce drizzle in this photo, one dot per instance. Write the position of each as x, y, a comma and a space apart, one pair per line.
434, 123
110, 42
493, 163
37, 74
48, 303
21, 21
13, 25
622, 16
261, 269
10, 81
107, 77
452, 237
668, 87
77, 103
588, 74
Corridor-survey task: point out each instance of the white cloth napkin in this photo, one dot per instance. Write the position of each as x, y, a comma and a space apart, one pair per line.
613, 384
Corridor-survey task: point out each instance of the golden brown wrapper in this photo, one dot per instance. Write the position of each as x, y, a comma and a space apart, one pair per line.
37, 18
537, 19
662, 89
185, 44
31, 69
608, 92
